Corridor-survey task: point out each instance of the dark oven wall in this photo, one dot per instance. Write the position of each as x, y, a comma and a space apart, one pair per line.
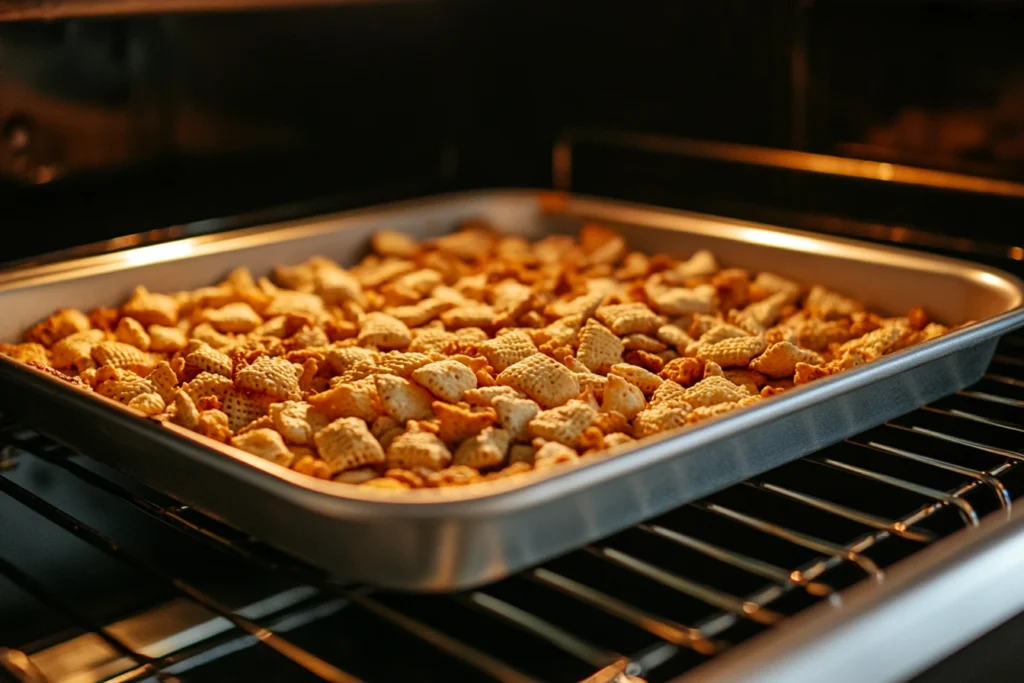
112, 126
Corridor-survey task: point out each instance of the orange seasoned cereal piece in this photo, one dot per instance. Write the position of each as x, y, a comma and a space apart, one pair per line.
150, 308
297, 422
419, 313
751, 380
917, 318
63, 323
734, 352
767, 284
415, 449
776, 388
645, 360
661, 416
242, 408
584, 306
507, 349
205, 333
399, 363
207, 359
346, 443
394, 244
601, 244
610, 421
375, 272
758, 317
645, 380
285, 302
629, 318
721, 332
130, 331
237, 317
121, 355
617, 440
599, 348
875, 343
818, 335
564, 424
275, 377
457, 475
75, 350
668, 391
343, 358
30, 352
403, 400
469, 315
685, 371
623, 397
334, 285
712, 390
213, 424
779, 360
410, 478
515, 415
446, 379
383, 332
165, 380
148, 404
543, 379
680, 300
828, 305
642, 342
487, 449
353, 399
208, 384
552, 453
485, 396
460, 422
674, 335
185, 412
265, 443
702, 413
713, 369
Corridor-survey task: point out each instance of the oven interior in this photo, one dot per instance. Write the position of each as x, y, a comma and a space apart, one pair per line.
147, 126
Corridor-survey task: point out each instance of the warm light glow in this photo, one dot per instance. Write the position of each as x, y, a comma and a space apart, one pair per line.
780, 239
1017, 253
158, 252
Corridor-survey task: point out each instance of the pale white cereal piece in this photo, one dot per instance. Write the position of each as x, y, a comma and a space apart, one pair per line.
487, 449
266, 443
416, 449
510, 298
469, 315
599, 348
148, 404
383, 331
485, 396
383, 424
150, 308
722, 332
669, 391
185, 412
354, 399
553, 453
507, 349
583, 305
165, 380
589, 381
543, 379
75, 350
346, 444
643, 379
779, 360
208, 384
242, 408
623, 397
131, 331
396, 244
121, 355
521, 452
674, 336
515, 414
419, 313
702, 263
207, 359
276, 377
642, 342
564, 424
734, 352
237, 317
297, 422
446, 379
770, 284
758, 317
403, 400
167, 339
616, 439
712, 390
661, 416
680, 300
629, 318
828, 305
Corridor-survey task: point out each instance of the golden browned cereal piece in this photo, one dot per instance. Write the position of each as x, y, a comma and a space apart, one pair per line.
645, 380
415, 449
564, 424
297, 422
243, 407
485, 396
680, 300
148, 404
150, 308
779, 360
712, 390
828, 305
264, 422
420, 313
208, 384
601, 244
629, 318
645, 360
410, 478
65, 322
734, 352
403, 400
75, 350
164, 380
386, 483
674, 336
267, 444
354, 399
275, 377
214, 424
751, 380
507, 349
237, 317
713, 369
875, 343
553, 453
622, 397
487, 449
767, 284
30, 352
395, 244
446, 379
543, 379
460, 422
617, 439
917, 318
701, 264
130, 331
721, 332
599, 348
346, 443
515, 415
684, 371
206, 359
643, 342
457, 475
661, 416
469, 315
121, 355
383, 332
185, 412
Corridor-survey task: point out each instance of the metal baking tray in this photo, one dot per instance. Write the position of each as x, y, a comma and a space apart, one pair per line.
448, 539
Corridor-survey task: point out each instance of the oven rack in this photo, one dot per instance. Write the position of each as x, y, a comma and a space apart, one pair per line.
654, 601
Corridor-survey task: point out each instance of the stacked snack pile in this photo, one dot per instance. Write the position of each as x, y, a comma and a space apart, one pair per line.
466, 358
